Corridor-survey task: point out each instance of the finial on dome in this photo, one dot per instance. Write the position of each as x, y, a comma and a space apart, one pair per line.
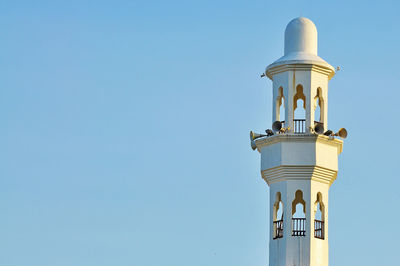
301, 36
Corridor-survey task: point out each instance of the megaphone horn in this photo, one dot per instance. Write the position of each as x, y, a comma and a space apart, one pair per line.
253, 145
342, 133
254, 136
319, 128
276, 126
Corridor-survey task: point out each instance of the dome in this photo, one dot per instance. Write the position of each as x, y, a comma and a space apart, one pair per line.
301, 47
301, 36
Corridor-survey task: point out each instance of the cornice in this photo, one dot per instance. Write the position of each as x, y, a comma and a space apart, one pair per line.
287, 137
299, 172
292, 66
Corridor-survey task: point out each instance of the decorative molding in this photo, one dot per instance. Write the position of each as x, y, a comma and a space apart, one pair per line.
299, 172
290, 137
272, 70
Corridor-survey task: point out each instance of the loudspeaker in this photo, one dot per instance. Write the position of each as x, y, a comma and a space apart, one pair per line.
253, 145
342, 133
254, 136
276, 126
319, 128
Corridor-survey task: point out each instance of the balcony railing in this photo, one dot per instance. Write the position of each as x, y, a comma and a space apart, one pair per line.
278, 229
298, 226
319, 229
299, 125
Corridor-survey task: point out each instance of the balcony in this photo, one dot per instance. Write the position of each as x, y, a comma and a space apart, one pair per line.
299, 125
278, 229
298, 226
319, 229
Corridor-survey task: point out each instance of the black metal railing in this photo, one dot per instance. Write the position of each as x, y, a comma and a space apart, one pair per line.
278, 229
299, 126
298, 226
319, 229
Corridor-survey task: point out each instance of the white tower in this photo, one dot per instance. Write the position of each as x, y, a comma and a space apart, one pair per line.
298, 164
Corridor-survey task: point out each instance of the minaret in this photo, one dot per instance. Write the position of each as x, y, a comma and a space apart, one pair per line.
299, 157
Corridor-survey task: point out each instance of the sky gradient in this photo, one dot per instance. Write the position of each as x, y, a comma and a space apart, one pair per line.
124, 130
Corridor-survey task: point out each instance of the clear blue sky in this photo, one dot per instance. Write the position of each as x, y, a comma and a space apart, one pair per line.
124, 130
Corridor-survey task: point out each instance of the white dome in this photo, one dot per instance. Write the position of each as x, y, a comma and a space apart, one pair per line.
301, 36
301, 46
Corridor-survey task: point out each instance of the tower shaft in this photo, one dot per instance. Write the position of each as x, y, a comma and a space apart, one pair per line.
298, 162
299, 171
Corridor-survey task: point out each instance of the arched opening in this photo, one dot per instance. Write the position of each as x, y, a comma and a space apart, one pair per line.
280, 104
299, 109
317, 112
278, 216
298, 215
318, 212
318, 107
319, 217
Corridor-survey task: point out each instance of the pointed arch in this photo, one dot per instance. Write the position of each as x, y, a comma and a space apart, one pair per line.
278, 216
319, 217
298, 215
299, 96
299, 114
280, 105
278, 207
298, 200
319, 106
